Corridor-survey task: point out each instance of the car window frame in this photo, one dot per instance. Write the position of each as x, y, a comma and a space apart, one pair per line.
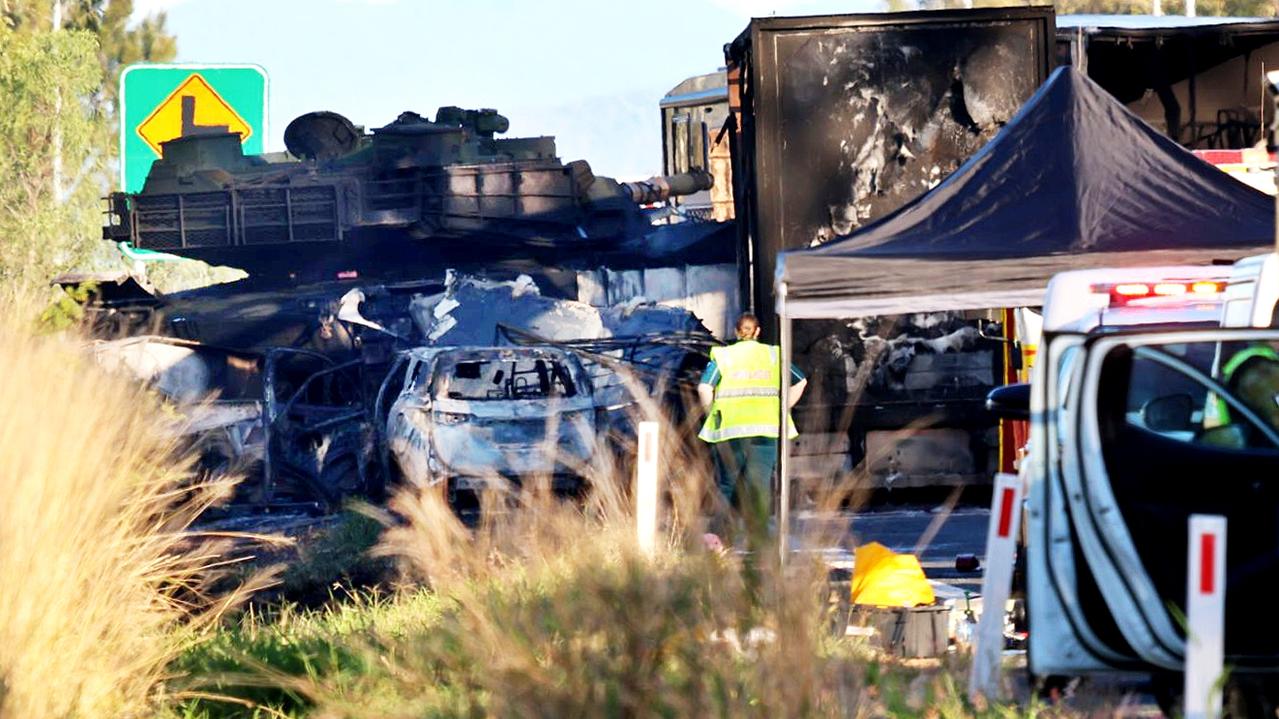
1171, 361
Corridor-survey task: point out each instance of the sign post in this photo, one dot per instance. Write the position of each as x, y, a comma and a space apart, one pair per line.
159, 103
996, 585
1205, 615
646, 487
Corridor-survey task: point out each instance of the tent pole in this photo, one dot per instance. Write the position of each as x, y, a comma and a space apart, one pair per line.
783, 435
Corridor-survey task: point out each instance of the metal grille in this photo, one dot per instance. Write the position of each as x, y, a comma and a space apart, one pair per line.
314, 214
176, 221
255, 216
264, 216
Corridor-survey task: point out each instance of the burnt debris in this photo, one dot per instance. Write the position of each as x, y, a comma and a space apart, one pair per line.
302, 398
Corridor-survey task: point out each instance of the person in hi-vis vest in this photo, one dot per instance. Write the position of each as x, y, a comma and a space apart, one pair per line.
741, 391
1252, 376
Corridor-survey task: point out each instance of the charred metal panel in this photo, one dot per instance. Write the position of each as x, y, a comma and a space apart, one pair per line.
846, 118
927, 359
920, 457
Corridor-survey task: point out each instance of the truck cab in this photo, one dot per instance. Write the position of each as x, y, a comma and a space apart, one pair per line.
1251, 298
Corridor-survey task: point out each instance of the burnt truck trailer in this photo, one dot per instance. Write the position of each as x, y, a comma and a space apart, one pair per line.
837, 121
1198, 80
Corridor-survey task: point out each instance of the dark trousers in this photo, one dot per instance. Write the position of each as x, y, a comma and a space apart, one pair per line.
744, 474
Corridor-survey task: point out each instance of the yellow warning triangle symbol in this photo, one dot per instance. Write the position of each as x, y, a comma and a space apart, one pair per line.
193, 108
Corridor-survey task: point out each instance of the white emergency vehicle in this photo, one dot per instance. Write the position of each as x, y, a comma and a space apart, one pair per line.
1125, 405
1251, 297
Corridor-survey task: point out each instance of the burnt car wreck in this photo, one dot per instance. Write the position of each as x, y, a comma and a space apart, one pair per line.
338, 415
368, 254
470, 416
294, 420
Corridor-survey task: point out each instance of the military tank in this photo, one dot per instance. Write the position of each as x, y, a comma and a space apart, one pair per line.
404, 199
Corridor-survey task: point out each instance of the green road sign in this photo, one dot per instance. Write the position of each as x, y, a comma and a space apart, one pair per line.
134, 253
159, 103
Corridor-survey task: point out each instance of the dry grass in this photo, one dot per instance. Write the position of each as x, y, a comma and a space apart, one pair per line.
99, 579
548, 609
554, 611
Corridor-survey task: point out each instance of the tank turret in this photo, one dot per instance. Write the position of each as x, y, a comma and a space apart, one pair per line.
344, 192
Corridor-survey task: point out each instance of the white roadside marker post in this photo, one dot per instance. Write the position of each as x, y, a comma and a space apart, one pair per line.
646, 478
996, 585
1205, 615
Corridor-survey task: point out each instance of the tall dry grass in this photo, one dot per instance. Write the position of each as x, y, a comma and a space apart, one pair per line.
553, 610
99, 578
548, 608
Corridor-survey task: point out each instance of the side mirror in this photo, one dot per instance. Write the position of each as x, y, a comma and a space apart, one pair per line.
1168, 414
1010, 401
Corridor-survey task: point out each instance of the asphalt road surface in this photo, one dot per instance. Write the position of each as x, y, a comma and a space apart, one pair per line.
936, 535
928, 530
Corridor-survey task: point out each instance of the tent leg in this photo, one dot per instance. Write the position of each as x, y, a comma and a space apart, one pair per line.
783, 435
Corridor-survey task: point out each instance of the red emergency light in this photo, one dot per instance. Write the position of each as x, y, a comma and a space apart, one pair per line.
1121, 293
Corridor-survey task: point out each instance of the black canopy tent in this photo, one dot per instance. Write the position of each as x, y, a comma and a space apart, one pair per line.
1073, 181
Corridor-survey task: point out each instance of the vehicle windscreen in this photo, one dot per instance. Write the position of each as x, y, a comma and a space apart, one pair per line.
506, 379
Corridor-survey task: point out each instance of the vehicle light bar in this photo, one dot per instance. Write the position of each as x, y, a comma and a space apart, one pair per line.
1121, 293
1128, 289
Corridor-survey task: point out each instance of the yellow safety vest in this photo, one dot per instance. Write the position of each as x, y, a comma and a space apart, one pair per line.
748, 396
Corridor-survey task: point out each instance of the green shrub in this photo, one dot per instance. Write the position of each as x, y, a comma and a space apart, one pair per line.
338, 560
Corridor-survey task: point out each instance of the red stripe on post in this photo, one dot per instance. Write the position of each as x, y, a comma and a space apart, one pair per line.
1207, 563
649, 440
1006, 512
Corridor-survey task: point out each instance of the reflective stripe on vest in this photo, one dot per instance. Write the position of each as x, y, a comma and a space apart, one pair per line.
748, 396
749, 392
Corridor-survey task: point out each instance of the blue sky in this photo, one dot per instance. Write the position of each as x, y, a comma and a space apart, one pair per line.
590, 73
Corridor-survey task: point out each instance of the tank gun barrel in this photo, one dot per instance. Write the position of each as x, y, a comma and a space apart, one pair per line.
662, 187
